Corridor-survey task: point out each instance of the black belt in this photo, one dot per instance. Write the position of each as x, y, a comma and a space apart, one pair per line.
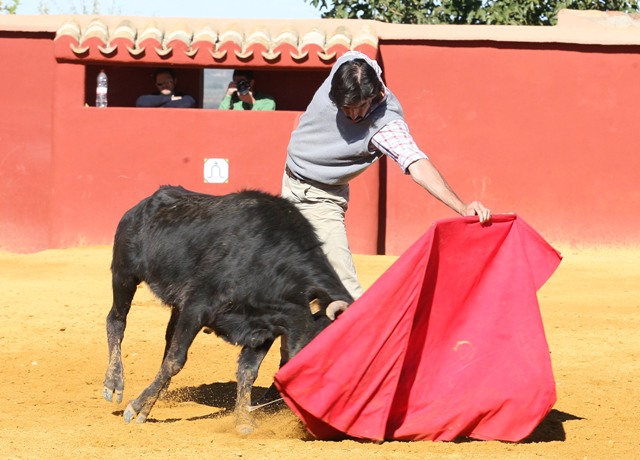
288, 172
320, 185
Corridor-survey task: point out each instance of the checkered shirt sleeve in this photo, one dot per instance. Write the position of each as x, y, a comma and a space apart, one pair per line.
395, 140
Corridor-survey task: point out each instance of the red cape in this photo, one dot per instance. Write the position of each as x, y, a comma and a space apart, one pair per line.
448, 342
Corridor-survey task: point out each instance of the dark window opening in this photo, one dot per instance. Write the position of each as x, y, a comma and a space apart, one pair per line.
292, 89
127, 83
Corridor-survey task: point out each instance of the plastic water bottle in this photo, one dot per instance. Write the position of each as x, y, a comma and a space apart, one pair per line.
101, 89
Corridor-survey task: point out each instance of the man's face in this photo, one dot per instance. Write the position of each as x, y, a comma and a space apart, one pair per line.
357, 111
165, 83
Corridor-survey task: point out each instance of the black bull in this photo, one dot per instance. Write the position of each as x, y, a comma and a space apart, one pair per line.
247, 266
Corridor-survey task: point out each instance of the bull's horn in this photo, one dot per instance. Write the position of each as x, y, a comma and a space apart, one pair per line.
335, 308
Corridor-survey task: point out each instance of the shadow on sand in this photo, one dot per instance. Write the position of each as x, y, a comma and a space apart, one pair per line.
223, 396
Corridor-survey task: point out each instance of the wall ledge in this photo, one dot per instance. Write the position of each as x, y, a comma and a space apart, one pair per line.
574, 27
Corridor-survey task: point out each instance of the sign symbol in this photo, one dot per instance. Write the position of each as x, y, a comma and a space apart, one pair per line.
216, 170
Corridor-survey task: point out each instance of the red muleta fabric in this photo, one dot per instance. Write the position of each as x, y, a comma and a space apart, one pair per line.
448, 342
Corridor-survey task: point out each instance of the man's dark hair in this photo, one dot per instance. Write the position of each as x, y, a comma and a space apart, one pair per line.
353, 82
248, 74
165, 70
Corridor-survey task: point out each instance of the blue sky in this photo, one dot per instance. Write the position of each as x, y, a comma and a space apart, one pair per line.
269, 9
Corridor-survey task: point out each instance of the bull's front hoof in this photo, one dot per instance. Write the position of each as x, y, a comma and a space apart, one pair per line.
130, 413
107, 394
245, 428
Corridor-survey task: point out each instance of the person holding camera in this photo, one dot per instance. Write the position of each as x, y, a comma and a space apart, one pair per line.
242, 96
351, 122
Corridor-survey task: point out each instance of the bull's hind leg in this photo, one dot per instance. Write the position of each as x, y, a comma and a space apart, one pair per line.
123, 292
248, 366
181, 331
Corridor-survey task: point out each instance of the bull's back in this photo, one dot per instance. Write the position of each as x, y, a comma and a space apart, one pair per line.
249, 217
177, 234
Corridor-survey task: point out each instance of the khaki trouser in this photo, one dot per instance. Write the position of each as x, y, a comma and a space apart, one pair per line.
325, 208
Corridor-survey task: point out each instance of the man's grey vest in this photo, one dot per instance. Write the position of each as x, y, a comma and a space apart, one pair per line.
329, 148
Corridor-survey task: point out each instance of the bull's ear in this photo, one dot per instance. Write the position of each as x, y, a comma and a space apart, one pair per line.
315, 306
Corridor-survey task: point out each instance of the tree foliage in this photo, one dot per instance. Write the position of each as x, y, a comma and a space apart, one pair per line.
9, 7
509, 12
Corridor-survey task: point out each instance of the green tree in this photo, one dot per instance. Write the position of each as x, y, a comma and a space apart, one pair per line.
10, 8
511, 12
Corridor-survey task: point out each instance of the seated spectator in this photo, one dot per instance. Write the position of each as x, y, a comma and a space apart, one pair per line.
166, 94
242, 96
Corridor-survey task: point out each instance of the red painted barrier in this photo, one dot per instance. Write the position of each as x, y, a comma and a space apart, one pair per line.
103, 161
547, 131
27, 79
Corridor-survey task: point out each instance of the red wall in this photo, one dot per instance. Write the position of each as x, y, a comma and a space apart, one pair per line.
547, 132
26, 82
106, 160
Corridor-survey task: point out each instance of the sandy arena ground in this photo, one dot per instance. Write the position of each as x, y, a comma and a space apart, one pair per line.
54, 355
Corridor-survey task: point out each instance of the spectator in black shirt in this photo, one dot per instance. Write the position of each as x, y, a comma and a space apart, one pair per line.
166, 94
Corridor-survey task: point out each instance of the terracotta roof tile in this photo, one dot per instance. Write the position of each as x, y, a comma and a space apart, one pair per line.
291, 42
314, 43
